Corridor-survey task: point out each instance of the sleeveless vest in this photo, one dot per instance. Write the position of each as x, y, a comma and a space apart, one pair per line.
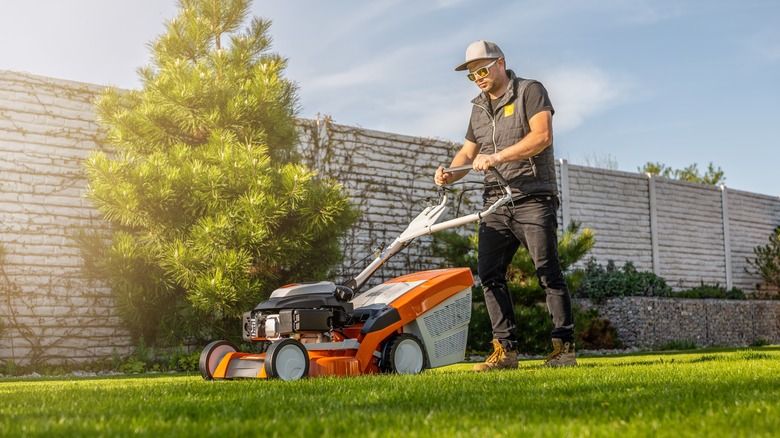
504, 126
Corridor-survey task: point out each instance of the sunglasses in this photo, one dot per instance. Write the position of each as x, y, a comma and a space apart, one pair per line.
481, 72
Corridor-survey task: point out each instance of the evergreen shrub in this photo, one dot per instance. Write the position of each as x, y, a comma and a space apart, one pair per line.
599, 282
712, 291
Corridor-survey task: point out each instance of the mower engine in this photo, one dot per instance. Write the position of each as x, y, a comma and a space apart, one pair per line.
310, 311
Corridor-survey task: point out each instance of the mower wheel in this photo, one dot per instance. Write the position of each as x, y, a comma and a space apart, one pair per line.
287, 360
212, 355
403, 354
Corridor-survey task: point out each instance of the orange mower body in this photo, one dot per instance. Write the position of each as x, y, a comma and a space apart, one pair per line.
404, 325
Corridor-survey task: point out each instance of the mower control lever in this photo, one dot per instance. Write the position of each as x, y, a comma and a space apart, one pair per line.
499, 177
457, 168
463, 167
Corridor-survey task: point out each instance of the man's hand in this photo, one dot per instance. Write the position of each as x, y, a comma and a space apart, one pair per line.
484, 162
441, 178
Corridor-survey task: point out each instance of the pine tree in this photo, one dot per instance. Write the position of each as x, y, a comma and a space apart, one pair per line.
209, 206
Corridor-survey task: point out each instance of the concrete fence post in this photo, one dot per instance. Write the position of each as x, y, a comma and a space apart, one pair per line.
726, 238
565, 203
654, 224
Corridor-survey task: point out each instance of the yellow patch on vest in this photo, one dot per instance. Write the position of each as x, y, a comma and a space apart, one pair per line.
509, 110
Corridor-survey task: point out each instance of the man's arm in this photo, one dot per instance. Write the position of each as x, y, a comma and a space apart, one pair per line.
465, 155
536, 141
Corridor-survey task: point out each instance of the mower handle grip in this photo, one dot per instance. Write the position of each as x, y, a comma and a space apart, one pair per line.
463, 167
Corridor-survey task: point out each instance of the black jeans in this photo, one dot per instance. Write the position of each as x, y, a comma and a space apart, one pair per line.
533, 223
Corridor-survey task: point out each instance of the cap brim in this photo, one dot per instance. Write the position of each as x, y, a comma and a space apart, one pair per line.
465, 65
462, 67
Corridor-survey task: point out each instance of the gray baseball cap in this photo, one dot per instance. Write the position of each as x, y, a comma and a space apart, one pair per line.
480, 50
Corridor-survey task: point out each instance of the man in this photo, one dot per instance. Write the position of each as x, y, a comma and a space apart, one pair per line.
511, 129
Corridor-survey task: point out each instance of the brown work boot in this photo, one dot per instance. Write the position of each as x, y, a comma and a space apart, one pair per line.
501, 359
562, 355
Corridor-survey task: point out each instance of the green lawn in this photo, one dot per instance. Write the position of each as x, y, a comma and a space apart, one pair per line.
704, 393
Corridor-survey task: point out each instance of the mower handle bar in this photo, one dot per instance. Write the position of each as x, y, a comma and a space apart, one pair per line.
425, 223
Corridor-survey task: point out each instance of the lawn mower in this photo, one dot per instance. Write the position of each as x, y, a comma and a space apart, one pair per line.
403, 326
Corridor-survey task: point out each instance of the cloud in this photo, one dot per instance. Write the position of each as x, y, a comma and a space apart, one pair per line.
382, 68
765, 44
642, 13
441, 113
425, 105
449, 3
369, 15
404, 65
579, 93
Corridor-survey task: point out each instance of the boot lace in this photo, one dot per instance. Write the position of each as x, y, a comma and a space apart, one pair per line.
498, 351
556, 352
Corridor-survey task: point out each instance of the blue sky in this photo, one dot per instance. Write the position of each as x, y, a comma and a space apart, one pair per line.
632, 81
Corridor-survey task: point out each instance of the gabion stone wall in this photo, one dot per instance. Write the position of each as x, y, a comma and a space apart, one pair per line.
649, 321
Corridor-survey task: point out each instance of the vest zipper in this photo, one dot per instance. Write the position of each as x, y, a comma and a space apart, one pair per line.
495, 145
493, 125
